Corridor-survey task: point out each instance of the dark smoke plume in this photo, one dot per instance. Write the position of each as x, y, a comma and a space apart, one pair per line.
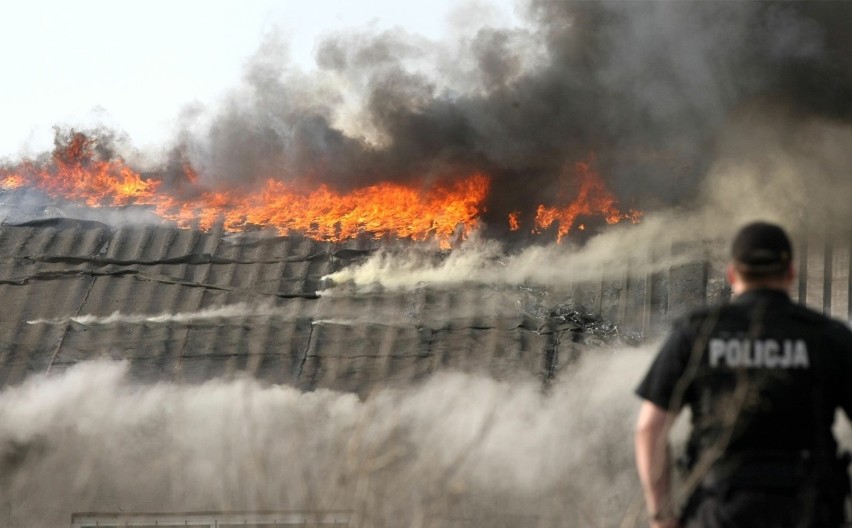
650, 88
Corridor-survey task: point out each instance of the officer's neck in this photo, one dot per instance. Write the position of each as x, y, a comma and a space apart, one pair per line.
759, 287
740, 284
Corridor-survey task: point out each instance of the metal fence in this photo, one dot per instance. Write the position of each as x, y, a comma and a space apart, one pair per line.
648, 302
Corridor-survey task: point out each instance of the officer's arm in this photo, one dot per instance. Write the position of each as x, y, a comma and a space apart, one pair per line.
652, 461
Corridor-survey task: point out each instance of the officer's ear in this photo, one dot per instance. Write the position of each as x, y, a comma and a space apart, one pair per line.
732, 275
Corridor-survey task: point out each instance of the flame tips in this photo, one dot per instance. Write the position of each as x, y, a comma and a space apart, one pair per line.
593, 199
514, 221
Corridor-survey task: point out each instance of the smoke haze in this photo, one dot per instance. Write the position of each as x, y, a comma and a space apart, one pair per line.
457, 446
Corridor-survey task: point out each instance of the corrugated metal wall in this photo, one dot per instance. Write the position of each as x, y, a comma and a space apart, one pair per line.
56, 271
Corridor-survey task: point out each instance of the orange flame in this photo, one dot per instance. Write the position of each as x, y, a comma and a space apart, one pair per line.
514, 220
382, 209
76, 174
593, 198
12, 181
444, 213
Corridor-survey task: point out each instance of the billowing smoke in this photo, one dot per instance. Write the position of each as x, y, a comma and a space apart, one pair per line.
456, 447
655, 90
678, 103
634, 249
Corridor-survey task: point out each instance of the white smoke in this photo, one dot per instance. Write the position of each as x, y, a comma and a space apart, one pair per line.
618, 251
497, 302
457, 446
229, 311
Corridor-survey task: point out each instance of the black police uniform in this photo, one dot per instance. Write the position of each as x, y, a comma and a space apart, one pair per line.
763, 378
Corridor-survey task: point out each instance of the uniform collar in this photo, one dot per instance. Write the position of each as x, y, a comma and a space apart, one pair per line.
768, 294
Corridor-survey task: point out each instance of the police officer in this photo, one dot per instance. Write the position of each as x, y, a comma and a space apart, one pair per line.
762, 377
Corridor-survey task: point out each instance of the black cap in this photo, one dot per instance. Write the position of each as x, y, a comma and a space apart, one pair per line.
761, 247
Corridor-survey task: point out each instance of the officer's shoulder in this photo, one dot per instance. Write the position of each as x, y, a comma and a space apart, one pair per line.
807, 315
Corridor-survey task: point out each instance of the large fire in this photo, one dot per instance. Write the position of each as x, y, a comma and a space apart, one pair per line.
445, 213
75, 172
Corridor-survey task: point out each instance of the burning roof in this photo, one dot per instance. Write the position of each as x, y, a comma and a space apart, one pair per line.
84, 170
583, 116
